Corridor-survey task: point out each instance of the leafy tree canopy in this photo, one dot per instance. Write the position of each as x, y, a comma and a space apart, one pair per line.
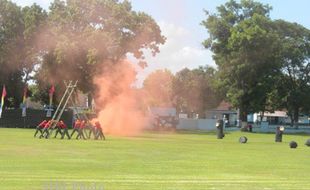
84, 38
256, 54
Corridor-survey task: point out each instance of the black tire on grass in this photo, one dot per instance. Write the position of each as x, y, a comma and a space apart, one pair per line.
293, 144
243, 139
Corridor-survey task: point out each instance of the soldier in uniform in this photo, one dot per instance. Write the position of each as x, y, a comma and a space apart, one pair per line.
64, 128
40, 128
219, 127
91, 128
99, 132
58, 129
46, 129
81, 130
76, 127
279, 133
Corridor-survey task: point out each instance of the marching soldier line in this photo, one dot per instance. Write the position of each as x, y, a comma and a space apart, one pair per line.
84, 129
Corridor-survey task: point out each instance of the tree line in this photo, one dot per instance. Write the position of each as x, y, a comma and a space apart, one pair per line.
190, 91
72, 40
262, 64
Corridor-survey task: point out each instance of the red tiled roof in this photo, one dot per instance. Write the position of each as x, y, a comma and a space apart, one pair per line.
224, 106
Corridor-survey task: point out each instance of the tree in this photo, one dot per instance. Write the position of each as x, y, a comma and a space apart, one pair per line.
158, 88
294, 81
85, 38
246, 50
11, 28
17, 28
193, 90
34, 18
263, 64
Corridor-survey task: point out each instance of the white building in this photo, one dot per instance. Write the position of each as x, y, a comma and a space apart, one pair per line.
224, 110
277, 117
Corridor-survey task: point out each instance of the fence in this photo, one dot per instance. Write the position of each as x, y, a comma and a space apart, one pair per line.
197, 124
12, 118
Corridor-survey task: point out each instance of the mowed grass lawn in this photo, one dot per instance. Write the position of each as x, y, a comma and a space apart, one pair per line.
170, 161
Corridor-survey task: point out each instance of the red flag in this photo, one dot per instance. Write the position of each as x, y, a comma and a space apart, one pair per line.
2, 99
4, 92
25, 94
52, 90
3, 95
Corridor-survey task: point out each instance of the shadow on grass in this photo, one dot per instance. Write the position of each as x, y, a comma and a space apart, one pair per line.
286, 134
184, 132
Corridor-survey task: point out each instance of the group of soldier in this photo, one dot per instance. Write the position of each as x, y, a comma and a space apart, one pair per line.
84, 129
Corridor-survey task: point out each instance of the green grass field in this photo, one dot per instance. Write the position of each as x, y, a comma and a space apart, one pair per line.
170, 161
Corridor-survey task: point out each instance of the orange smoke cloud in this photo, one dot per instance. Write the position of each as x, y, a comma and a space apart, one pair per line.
118, 102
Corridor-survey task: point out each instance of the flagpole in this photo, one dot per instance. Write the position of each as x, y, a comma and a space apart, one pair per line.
24, 105
2, 100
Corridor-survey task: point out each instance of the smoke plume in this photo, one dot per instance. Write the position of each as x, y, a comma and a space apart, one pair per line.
118, 102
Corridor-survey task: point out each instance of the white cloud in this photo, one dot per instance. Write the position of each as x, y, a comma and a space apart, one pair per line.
177, 53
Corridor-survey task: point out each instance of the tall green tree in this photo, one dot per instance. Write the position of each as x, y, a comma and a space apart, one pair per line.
246, 50
17, 28
193, 90
34, 19
11, 29
294, 82
85, 38
158, 88
263, 64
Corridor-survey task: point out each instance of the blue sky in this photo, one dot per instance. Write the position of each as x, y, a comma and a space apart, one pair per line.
180, 23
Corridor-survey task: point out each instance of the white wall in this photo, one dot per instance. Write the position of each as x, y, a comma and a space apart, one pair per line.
197, 124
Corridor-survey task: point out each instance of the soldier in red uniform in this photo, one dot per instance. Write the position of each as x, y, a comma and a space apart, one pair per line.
88, 129
91, 130
76, 127
81, 130
40, 128
64, 128
99, 133
58, 129
46, 128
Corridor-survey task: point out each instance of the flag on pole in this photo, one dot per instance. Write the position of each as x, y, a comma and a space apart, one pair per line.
50, 109
51, 92
2, 99
25, 95
24, 105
